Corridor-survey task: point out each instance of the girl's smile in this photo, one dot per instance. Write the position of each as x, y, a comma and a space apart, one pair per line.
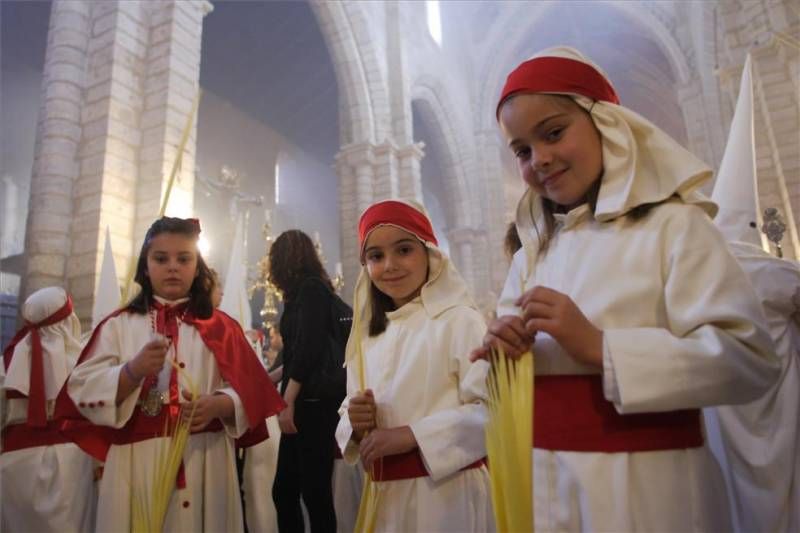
558, 148
397, 263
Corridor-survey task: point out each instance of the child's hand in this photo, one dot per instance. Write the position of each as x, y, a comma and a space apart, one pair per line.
555, 313
361, 411
150, 359
206, 407
506, 332
382, 442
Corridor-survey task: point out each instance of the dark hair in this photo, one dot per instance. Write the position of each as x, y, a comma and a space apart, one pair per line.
511, 242
380, 304
292, 259
200, 291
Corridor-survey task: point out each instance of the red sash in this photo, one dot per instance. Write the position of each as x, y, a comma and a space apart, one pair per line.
572, 414
407, 465
37, 403
22, 436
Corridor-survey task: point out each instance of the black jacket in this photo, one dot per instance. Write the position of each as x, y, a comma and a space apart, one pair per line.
304, 327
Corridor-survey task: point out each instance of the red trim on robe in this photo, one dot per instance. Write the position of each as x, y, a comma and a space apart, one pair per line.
237, 364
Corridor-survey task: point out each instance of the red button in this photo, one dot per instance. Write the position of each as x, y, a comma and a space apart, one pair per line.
185, 504
101, 403
91, 405
81, 404
182, 364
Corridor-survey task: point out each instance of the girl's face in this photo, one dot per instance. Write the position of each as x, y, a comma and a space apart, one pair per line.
172, 264
397, 263
556, 144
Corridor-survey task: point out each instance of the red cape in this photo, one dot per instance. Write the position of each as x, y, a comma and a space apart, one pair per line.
238, 366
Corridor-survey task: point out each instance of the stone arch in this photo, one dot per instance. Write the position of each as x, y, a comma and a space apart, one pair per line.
363, 98
426, 96
499, 58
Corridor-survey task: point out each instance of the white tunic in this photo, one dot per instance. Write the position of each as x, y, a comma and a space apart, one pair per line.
261, 461
757, 443
420, 373
682, 329
46, 488
348, 484
210, 501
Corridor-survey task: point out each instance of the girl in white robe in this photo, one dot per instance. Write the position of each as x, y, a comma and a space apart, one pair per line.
47, 481
125, 387
418, 426
637, 314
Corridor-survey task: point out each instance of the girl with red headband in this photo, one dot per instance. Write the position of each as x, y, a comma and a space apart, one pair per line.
637, 314
418, 425
47, 481
128, 391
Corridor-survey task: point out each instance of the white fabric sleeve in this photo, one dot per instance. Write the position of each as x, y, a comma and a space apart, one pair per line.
240, 422
451, 439
714, 348
514, 286
344, 431
92, 386
610, 389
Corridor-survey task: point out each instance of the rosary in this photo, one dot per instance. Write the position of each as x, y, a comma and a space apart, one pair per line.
153, 401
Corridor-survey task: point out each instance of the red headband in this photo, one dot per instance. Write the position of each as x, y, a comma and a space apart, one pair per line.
37, 404
397, 214
558, 75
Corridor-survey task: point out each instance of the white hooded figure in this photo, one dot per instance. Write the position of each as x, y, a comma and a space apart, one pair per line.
414, 324
757, 443
641, 316
47, 482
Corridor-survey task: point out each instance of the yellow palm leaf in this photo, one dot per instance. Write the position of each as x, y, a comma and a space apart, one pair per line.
509, 441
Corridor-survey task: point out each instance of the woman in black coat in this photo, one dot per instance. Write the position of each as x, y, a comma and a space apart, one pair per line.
306, 453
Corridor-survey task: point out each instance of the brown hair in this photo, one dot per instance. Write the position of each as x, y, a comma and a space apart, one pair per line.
200, 291
511, 242
293, 258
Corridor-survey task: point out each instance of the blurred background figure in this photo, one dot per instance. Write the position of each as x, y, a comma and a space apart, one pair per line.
305, 460
47, 481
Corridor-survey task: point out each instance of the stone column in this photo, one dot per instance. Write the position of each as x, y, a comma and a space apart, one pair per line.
105, 187
355, 165
57, 139
172, 72
410, 175
386, 171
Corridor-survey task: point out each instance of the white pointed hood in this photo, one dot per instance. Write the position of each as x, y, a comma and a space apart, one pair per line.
736, 188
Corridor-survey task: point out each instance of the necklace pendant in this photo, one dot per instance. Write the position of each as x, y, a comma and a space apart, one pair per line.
153, 402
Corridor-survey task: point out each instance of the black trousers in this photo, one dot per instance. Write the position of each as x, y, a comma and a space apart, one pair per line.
305, 468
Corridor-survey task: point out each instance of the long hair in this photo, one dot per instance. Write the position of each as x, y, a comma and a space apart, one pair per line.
200, 291
292, 259
380, 304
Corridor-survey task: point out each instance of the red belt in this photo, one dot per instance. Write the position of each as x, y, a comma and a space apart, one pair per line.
572, 414
407, 465
22, 436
